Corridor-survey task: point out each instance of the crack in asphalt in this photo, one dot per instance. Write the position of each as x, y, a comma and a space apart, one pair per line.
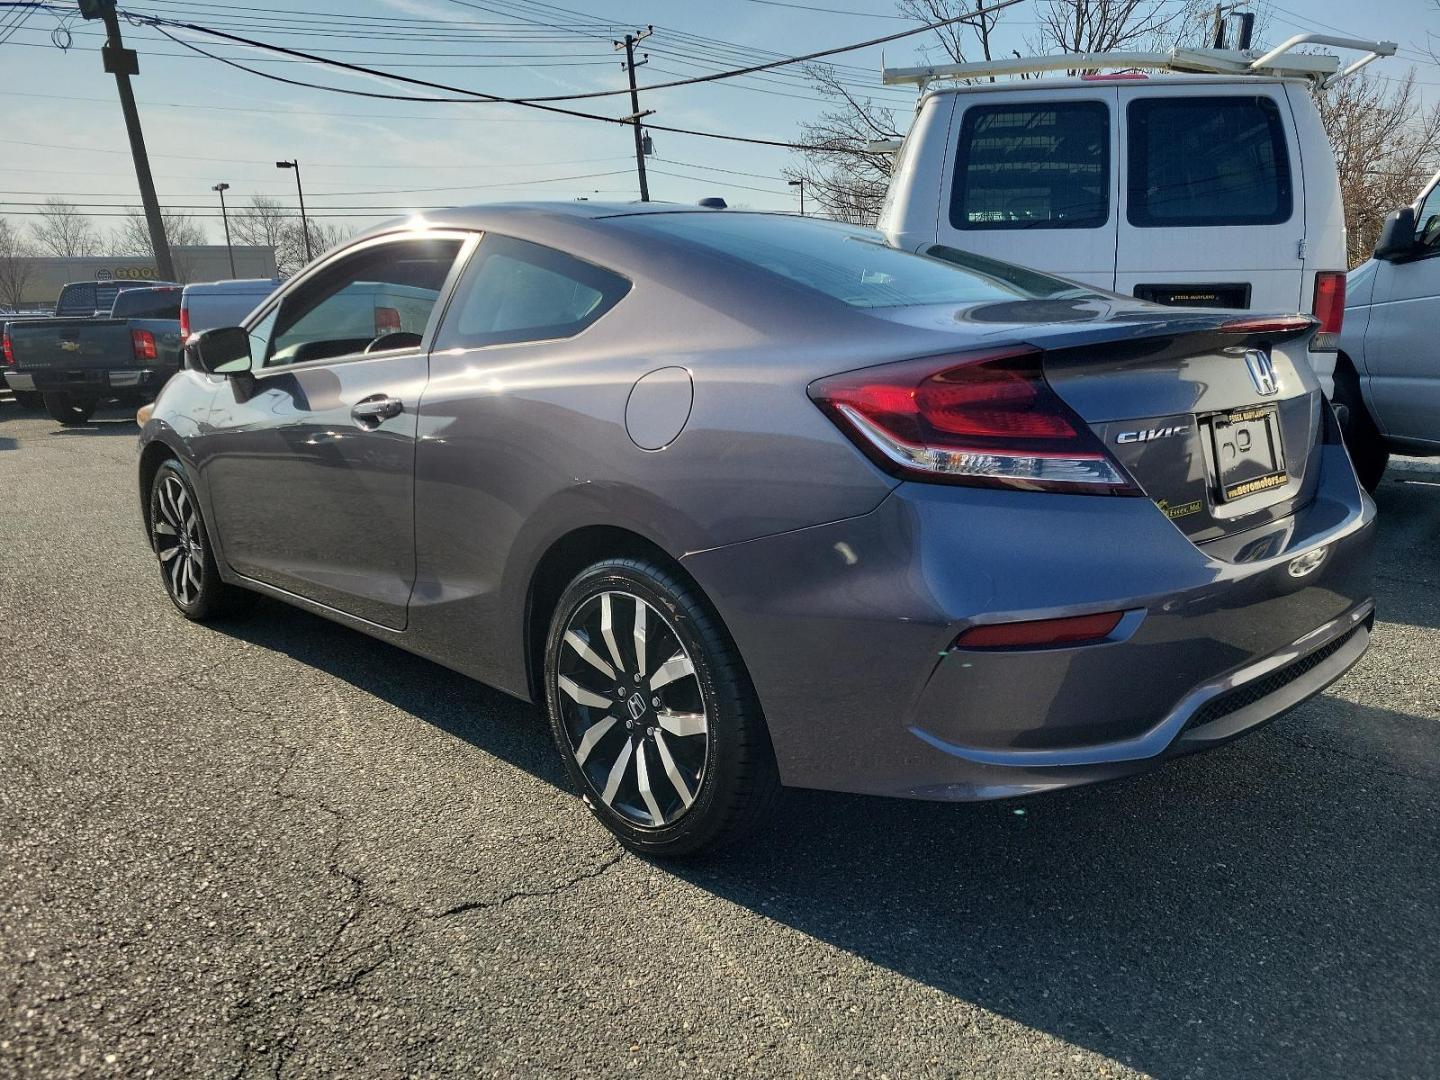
1359, 759
526, 894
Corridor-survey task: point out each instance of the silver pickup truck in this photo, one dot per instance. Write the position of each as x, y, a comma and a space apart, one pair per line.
1388, 374
75, 363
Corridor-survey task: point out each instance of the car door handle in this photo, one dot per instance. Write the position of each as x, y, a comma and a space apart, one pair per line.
375, 410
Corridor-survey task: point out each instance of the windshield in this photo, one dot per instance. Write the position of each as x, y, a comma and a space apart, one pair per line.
851, 264
147, 304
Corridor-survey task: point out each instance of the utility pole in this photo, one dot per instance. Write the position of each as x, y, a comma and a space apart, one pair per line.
122, 63
223, 187
631, 40
300, 191
801, 185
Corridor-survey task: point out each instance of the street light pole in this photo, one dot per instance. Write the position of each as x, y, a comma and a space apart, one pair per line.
801, 185
304, 222
223, 187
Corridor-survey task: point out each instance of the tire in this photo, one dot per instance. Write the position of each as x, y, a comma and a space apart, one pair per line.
182, 544
69, 410
679, 761
1362, 438
30, 400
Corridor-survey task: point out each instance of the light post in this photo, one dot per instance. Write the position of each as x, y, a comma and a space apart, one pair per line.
304, 224
801, 185
223, 187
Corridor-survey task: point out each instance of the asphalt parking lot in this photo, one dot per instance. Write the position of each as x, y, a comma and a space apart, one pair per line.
276, 847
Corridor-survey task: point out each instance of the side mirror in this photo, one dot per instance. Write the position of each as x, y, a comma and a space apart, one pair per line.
222, 351
1397, 235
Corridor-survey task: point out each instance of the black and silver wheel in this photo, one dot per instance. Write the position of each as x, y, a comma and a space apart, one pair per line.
187, 566
68, 409
653, 712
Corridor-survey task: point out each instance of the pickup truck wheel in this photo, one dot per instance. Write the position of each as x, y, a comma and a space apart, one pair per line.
69, 410
182, 544
31, 400
1362, 438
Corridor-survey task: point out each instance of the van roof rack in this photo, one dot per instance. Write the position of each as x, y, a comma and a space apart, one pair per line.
1280, 62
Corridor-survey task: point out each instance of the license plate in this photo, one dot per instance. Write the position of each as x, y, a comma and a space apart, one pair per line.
1246, 451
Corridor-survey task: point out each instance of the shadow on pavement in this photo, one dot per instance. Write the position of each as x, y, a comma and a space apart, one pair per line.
1409, 543
1264, 910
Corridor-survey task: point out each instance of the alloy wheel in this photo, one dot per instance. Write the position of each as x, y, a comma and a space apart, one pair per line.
179, 543
632, 709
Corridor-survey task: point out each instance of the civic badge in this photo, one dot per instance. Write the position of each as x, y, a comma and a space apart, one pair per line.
1262, 372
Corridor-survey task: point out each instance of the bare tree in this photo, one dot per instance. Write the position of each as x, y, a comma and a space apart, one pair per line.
64, 231
16, 268
267, 222
1084, 26
1385, 148
846, 179
132, 238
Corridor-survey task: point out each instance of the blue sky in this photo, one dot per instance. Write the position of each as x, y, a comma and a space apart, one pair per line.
370, 159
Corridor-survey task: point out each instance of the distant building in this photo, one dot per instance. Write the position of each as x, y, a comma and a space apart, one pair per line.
43, 276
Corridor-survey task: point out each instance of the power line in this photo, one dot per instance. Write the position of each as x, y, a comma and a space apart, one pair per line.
431, 85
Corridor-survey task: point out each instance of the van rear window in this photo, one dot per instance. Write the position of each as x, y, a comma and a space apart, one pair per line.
1040, 166
1203, 161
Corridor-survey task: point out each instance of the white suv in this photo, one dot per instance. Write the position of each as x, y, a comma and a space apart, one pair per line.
1211, 190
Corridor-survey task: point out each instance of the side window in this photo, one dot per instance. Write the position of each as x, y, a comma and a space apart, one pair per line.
517, 291
1205, 161
1040, 166
378, 299
1427, 220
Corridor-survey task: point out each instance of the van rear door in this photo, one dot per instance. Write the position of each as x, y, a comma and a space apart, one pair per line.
1213, 201
1033, 179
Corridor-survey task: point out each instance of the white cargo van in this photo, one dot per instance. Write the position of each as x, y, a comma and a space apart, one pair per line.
1388, 376
1211, 184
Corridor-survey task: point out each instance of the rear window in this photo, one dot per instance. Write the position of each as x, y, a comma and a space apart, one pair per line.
147, 304
77, 299
1040, 166
841, 261
1203, 161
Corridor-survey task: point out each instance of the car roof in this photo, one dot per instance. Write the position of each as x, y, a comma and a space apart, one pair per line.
497, 215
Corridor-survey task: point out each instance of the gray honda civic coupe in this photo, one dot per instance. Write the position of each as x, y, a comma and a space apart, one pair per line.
746, 500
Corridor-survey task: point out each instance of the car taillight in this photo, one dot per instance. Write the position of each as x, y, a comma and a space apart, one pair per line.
986, 418
184, 322
1329, 308
387, 321
143, 343
9, 349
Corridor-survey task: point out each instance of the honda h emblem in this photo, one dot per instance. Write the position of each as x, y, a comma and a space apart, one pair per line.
1262, 372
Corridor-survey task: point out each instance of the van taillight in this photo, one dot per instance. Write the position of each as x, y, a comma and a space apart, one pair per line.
985, 418
387, 321
143, 342
184, 321
1329, 309
9, 349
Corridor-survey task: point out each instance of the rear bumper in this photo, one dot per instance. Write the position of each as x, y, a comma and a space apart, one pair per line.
848, 631
90, 381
